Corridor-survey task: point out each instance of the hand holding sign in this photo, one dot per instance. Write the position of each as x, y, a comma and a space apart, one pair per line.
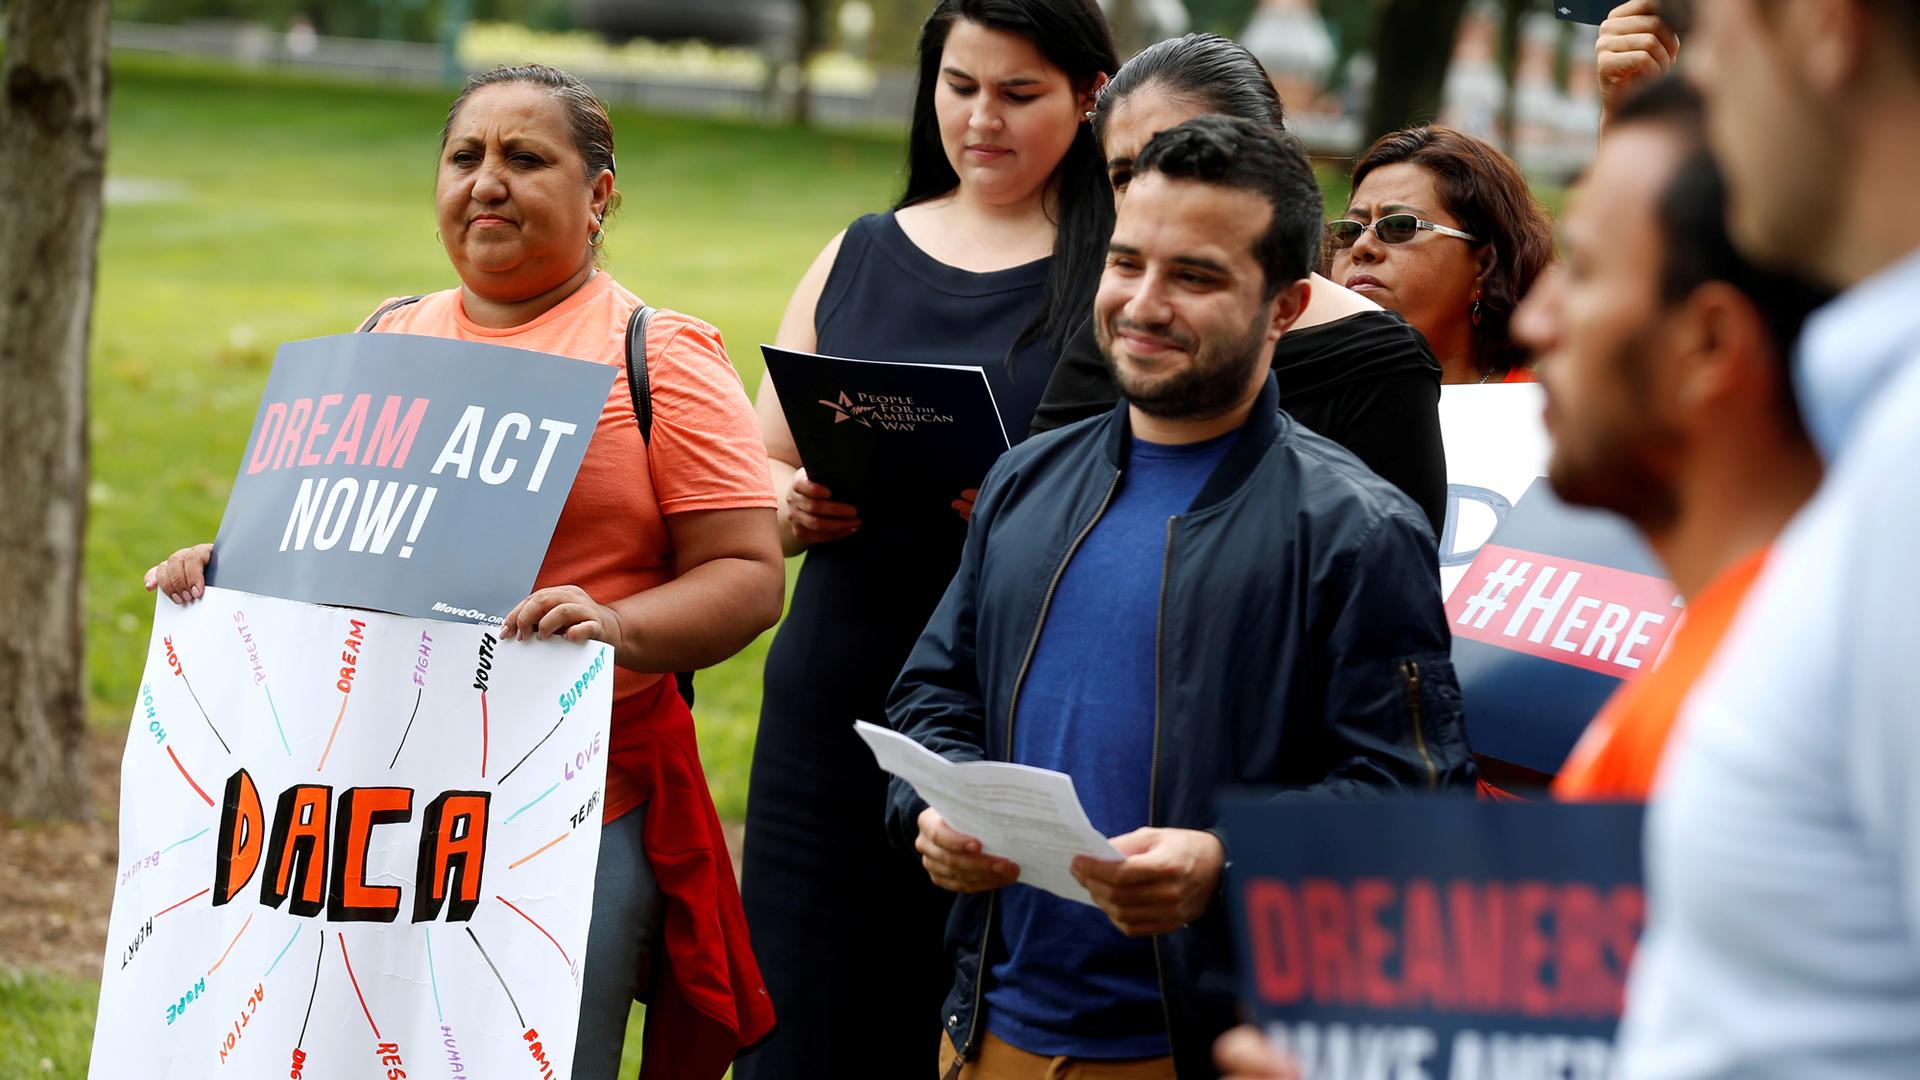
182, 576
1636, 46
1242, 1054
1166, 881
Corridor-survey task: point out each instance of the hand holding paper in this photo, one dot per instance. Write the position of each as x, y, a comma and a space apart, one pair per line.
1167, 880
1029, 817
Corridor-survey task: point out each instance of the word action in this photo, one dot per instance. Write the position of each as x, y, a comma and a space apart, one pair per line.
239, 1026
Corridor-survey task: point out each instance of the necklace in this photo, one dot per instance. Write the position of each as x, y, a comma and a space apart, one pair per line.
1484, 376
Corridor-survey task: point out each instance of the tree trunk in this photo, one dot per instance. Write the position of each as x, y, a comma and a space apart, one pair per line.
1412, 46
53, 136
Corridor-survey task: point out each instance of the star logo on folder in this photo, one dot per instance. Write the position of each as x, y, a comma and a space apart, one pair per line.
844, 410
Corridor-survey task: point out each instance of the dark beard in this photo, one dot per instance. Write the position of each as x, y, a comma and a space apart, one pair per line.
1624, 475
1214, 384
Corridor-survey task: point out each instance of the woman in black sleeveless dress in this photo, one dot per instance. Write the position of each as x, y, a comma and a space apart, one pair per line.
847, 928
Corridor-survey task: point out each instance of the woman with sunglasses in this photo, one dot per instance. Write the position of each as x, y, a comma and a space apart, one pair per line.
1442, 228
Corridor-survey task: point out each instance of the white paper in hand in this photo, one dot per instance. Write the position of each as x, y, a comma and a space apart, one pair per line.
1028, 816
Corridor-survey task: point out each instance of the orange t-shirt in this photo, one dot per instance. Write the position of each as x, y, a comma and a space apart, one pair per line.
1618, 757
1519, 375
611, 539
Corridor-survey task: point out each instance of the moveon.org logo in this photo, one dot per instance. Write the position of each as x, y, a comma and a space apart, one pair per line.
467, 613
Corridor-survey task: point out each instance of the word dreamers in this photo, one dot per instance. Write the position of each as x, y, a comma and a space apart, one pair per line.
315, 856
1594, 617
1541, 950
350, 654
1383, 1052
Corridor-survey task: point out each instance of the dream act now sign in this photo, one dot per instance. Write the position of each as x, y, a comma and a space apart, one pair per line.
416, 475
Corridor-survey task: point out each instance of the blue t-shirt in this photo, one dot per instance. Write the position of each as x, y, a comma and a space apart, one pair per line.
1072, 985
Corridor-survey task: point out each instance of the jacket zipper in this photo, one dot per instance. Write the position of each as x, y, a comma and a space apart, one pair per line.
1410, 670
1153, 776
1013, 701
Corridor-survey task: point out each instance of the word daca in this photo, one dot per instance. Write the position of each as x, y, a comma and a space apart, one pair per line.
316, 853
290, 434
1542, 950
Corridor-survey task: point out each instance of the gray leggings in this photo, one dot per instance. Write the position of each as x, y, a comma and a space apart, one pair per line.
620, 946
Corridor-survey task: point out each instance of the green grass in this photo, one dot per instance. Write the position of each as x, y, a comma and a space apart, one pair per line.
298, 206
46, 1026
301, 205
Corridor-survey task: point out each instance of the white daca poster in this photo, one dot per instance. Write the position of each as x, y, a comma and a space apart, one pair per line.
352, 844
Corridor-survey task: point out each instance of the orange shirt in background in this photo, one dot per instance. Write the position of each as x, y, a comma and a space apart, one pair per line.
1619, 755
1518, 374
706, 454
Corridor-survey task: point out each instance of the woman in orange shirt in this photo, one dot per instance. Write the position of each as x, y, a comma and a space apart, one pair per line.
1442, 228
666, 548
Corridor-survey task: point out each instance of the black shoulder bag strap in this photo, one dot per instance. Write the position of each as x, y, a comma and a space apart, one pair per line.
386, 309
642, 392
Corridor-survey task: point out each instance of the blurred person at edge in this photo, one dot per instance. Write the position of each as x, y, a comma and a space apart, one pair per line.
1191, 528
667, 552
1664, 356
1442, 228
987, 259
1783, 843
1347, 369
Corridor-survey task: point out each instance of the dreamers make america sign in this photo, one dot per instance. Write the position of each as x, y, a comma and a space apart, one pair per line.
416, 475
352, 844
1451, 939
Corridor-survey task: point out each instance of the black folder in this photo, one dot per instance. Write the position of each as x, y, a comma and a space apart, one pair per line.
897, 441
1590, 12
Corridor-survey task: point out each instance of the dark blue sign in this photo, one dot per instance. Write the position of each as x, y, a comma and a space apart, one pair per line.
1444, 938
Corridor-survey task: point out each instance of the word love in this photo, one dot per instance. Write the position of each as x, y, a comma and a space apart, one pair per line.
315, 855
